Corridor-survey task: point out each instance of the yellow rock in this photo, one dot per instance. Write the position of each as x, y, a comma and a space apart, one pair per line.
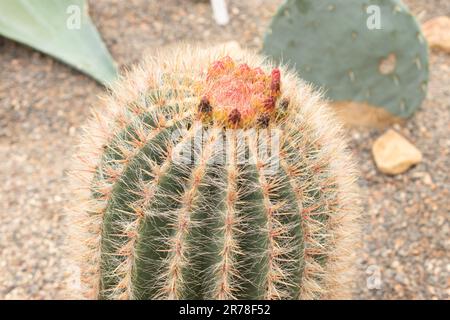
437, 32
394, 154
363, 115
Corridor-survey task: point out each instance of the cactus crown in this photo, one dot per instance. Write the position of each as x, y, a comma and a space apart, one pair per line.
239, 96
184, 190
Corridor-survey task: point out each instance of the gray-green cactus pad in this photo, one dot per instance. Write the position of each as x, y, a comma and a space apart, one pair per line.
338, 46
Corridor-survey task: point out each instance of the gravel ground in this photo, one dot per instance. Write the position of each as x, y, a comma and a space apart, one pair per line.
43, 104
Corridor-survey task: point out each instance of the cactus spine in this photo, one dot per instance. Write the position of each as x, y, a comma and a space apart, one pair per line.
165, 215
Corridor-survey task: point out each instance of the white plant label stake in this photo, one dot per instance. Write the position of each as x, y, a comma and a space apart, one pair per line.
220, 12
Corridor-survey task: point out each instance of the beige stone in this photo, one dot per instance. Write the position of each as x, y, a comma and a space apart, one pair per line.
394, 154
363, 115
437, 32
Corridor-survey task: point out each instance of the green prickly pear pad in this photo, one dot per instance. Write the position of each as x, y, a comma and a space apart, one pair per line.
369, 51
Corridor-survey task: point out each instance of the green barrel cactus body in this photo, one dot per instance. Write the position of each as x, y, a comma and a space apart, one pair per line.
204, 177
367, 51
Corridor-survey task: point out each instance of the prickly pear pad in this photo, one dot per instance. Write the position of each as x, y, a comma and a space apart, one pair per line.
372, 52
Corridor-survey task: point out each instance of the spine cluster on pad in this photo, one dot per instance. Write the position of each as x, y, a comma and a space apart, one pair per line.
209, 174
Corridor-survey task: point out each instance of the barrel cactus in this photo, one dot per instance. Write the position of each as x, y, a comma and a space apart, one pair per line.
370, 52
209, 174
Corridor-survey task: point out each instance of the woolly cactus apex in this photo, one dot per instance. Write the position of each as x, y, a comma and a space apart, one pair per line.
213, 175
241, 95
367, 51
